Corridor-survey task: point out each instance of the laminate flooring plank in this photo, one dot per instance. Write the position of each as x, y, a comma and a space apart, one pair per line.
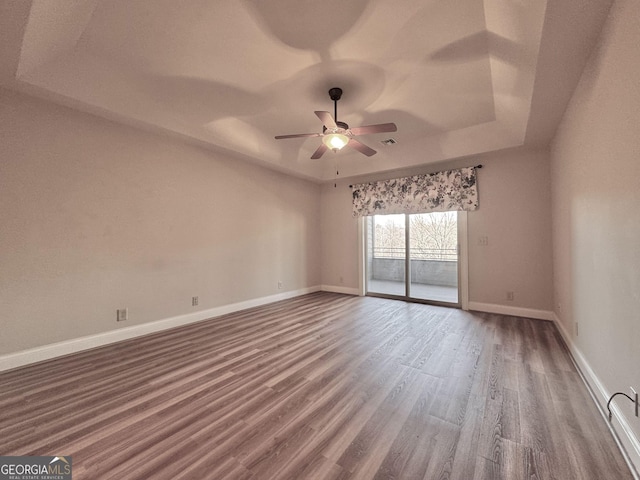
321, 398
369, 395
410, 452
420, 341
510, 340
317, 468
328, 416
321, 386
425, 350
552, 363
465, 459
510, 415
513, 461
579, 416
491, 438
413, 449
453, 396
367, 450
510, 374
86, 420
549, 433
222, 402
150, 429
559, 350
268, 425
229, 468
281, 452
440, 465
529, 347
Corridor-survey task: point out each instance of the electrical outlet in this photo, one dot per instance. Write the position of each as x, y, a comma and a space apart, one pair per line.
577, 331
122, 314
510, 296
483, 241
341, 280
634, 396
194, 301
279, 284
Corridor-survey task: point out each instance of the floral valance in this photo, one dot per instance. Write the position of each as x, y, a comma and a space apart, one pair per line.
436, 192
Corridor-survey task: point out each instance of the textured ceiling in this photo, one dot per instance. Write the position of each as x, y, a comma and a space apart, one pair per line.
458, 77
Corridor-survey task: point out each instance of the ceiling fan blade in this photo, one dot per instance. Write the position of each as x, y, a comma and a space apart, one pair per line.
327, 119
380, 128
298, 135
319, 152
361, 147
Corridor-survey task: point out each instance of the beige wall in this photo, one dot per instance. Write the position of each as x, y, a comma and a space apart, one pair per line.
339, 237
596, 220
514, 214
95, 216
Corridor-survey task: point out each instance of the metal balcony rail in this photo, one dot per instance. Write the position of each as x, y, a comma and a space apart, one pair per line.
446, 254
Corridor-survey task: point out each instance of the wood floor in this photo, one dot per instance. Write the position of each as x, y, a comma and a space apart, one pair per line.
324, 386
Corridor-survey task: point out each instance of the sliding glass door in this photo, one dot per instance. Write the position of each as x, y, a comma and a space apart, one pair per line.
386, 258
413, 257
433, 243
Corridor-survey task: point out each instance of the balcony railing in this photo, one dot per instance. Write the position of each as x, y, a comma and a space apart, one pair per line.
446, 254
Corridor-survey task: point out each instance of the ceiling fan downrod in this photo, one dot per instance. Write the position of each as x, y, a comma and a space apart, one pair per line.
335, 94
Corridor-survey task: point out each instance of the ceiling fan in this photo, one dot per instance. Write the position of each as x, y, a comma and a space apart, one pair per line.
335, 135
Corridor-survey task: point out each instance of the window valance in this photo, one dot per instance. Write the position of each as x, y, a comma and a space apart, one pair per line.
436, 192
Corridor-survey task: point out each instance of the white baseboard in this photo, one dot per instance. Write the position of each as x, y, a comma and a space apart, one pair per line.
47, 352
337, 289
629, 443
513, 311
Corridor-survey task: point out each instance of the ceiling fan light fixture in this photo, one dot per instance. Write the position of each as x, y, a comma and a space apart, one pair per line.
335, 141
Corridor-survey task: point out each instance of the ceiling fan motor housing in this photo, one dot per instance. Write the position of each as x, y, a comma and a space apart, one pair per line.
342, 126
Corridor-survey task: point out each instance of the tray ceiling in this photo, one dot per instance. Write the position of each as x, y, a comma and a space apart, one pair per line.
458, 77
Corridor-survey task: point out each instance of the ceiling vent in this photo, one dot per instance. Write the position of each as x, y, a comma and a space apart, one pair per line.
388, 141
